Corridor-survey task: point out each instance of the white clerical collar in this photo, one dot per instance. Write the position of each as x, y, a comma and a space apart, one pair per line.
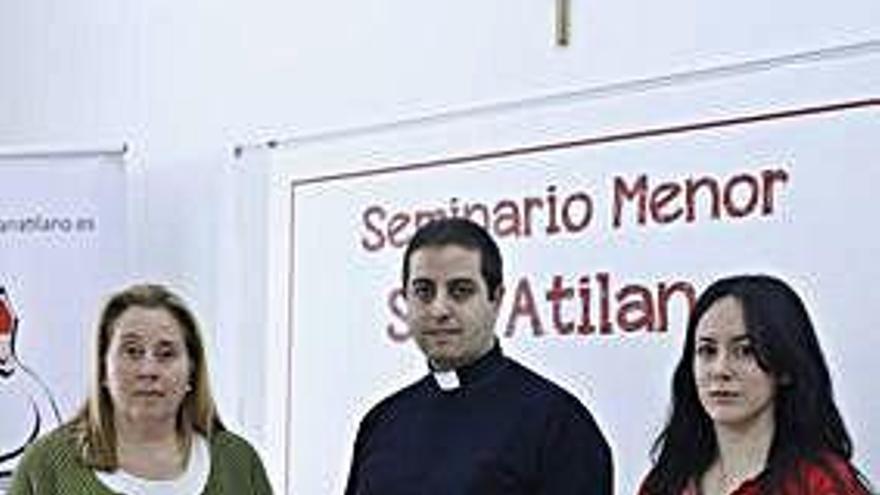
468, 374
447, 380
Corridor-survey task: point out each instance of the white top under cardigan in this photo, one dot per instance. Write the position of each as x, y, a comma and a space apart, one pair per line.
191, 482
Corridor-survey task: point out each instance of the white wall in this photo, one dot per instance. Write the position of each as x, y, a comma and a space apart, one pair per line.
183, 82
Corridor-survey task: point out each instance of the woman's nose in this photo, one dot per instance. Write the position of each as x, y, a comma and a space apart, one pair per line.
148, 365
722, 365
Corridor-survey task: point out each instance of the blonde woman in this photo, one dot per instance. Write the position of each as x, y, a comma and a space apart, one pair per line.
149, 425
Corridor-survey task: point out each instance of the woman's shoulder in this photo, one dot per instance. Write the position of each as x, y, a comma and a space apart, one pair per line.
225, 443
829, 473
236, 466
59, 445
48, 463
690, 488
228, 439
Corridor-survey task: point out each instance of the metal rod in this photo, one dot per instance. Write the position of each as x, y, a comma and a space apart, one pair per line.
24, 152
563, 22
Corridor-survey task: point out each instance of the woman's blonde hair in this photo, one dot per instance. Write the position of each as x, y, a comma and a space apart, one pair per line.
94, 424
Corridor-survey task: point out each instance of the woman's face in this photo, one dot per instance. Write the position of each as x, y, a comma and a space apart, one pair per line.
147, 365
733, 389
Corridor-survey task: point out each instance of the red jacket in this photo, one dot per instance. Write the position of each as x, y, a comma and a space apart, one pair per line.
816, 479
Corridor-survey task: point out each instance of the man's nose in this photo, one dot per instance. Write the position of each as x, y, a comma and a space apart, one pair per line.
439, 307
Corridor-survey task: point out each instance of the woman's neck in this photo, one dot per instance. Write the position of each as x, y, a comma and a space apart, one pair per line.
150, 450
144, 430
742, 453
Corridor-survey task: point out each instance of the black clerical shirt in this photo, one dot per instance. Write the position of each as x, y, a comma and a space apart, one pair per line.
503, 430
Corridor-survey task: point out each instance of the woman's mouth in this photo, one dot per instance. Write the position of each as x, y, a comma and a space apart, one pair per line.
723, 395
148, 393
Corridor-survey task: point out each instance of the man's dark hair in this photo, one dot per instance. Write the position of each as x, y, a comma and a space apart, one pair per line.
463, 233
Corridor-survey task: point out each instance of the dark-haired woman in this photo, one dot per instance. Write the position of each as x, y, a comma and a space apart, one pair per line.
753, 411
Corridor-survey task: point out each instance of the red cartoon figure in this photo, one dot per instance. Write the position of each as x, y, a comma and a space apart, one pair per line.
27, 408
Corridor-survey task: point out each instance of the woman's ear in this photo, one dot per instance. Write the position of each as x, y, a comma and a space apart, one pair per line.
784, 380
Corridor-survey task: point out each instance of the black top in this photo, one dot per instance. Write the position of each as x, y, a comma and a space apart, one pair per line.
505, 430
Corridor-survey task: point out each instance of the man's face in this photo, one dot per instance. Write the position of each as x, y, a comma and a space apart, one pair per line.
448, 307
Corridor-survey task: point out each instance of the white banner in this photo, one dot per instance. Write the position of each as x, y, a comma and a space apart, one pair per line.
62, 250
611, 213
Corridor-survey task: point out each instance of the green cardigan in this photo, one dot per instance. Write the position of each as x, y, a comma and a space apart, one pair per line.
51, 465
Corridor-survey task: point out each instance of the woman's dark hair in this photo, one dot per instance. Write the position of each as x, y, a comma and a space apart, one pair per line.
808, 426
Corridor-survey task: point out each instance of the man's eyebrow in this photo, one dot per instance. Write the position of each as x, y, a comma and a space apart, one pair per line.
421, 280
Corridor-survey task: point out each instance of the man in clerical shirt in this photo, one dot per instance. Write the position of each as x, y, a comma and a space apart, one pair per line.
478, 423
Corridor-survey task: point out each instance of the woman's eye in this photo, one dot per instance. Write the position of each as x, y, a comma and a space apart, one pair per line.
166, 354
132, 352
705, 351
744, 351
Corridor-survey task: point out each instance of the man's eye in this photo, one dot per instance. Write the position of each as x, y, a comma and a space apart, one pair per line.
422, 292
461, 291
